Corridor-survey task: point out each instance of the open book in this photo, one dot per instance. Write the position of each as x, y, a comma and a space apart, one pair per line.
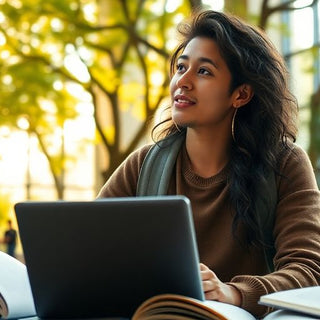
177, 307
15, 293
305, 300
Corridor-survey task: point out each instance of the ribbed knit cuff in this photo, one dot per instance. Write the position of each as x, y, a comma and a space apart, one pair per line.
251, 290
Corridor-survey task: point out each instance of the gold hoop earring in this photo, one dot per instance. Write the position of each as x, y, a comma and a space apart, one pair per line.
232, 125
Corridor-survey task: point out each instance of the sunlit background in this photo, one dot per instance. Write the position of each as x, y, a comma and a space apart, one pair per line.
80, 81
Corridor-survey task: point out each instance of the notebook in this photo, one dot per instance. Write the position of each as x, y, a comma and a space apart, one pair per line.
103, 258
305, 300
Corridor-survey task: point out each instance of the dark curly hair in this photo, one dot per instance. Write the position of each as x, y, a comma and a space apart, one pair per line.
264, 125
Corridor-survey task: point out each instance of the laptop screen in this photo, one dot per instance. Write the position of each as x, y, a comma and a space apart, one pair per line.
105, 257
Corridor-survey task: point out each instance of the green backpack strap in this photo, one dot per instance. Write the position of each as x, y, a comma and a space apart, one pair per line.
157, 166
156, 172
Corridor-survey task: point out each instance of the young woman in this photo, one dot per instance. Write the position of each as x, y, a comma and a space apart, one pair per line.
253, 191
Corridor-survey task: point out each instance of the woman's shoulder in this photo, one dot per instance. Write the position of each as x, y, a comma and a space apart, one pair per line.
143, 150
293, 153
295, 167
139, 154
135, 159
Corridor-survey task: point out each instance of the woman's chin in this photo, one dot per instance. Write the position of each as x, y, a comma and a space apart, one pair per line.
183, 123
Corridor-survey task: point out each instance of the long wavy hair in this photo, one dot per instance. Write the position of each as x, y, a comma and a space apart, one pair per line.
263, 127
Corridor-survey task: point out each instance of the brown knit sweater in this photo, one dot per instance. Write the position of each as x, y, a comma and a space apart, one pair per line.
296, 231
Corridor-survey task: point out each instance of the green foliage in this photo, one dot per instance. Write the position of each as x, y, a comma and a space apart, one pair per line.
116, 51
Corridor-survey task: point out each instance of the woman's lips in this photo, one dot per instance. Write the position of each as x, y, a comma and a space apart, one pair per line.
182, 101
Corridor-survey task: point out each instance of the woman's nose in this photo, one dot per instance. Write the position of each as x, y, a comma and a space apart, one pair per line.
185, 81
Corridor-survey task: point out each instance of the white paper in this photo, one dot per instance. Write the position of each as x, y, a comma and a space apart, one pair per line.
15, 287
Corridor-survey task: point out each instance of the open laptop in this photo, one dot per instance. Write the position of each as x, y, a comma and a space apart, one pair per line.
103, 258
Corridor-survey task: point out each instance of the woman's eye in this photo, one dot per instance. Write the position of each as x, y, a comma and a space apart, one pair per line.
204, 71
180, 67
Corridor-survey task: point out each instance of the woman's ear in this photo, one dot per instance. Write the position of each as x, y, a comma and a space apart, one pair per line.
242, 95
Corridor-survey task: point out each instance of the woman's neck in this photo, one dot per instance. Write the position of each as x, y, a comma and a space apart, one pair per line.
208, 153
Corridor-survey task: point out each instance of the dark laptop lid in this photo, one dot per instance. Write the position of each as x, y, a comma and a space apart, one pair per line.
105, 257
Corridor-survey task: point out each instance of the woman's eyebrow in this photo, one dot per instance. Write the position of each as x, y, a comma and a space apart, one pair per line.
200, 59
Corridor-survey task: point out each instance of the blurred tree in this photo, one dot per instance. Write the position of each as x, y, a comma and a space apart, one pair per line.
268, 8
114, 50
29, 102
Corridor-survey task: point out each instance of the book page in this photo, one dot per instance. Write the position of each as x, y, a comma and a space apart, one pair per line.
15, 290
229, 311
180, 307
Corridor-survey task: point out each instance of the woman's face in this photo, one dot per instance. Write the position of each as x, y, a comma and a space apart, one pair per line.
200, 88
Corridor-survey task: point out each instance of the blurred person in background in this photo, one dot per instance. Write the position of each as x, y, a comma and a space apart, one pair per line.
10, 239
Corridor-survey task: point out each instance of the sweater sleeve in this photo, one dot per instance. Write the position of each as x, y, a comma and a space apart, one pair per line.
296, 233
123, 181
